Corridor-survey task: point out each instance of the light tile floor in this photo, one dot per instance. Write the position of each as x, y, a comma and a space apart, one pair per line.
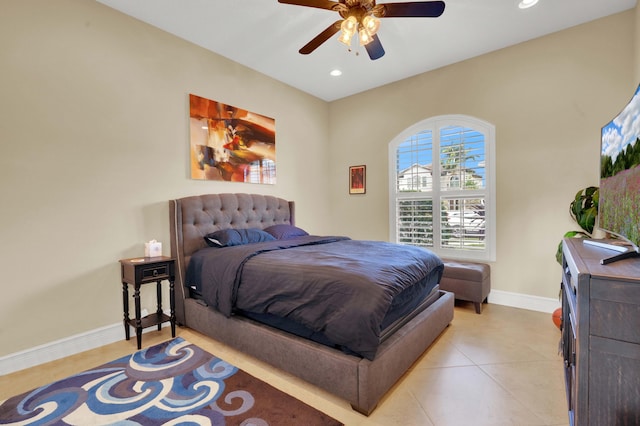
498, 368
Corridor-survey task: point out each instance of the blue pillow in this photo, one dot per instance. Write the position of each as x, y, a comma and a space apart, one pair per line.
285, 232
236, 237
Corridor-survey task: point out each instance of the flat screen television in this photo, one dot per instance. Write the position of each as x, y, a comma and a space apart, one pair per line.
619, 194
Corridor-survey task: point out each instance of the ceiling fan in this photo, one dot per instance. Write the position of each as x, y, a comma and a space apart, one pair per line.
362, 17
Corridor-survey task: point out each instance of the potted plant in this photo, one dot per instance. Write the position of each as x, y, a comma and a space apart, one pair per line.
584, 210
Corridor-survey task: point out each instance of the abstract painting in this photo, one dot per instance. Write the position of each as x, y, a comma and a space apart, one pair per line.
230, 144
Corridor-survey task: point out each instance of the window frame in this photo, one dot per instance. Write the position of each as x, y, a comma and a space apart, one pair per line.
435, 124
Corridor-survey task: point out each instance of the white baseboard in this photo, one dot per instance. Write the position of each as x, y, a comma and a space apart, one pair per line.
61, 348
65, 347
524, 301
113, 333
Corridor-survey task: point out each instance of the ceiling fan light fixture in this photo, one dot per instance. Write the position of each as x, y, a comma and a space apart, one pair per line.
348, 28
349, 25
364, 36
371, 23
345, 37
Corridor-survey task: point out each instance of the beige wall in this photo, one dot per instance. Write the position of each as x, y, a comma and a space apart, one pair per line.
637, 41
94, 128
547, 98
93, 121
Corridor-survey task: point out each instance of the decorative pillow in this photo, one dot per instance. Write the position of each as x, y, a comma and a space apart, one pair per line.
285, 232
236, 237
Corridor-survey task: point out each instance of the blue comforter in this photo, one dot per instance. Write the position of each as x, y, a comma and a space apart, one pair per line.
333, 285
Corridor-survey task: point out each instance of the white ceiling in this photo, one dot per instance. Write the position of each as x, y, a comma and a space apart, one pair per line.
265, 35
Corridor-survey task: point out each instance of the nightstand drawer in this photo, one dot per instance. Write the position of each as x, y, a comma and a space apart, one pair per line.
155, 272
146, 270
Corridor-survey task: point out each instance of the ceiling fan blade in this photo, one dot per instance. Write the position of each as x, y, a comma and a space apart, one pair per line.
320, 4
374, 48
420, 9
321, 38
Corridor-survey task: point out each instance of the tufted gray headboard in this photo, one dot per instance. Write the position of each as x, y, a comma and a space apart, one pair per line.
191, 218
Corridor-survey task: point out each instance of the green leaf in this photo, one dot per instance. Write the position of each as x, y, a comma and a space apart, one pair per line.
584, 210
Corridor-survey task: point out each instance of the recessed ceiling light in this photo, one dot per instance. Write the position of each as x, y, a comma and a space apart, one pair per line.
336, 73
525, 4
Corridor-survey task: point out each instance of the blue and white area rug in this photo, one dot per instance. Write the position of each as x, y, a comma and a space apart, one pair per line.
173, 383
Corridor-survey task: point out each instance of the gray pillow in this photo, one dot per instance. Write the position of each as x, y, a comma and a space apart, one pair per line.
285, 232
236, 237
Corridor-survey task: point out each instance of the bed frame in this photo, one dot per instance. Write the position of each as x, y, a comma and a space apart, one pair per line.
360, 381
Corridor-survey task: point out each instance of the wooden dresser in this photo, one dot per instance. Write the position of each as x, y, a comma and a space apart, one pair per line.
600, 336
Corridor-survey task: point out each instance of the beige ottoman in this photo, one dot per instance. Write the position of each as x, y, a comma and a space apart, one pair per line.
470, 281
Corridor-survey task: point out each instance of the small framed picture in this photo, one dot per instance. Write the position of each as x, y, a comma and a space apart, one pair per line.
357, 179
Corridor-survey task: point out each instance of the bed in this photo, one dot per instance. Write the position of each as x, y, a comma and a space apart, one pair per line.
360, 376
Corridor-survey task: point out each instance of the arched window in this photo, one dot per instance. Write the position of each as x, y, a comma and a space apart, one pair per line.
442, 187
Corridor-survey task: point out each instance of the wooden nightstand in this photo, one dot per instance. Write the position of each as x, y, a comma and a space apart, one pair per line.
144, 270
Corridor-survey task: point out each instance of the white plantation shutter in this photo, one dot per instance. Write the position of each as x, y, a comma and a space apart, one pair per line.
442, 187
414, 218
